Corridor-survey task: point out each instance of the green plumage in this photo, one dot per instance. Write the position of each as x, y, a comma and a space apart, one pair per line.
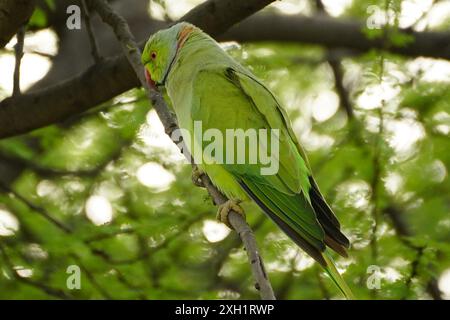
205, 84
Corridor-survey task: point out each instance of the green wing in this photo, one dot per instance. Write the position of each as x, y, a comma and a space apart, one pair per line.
227, 98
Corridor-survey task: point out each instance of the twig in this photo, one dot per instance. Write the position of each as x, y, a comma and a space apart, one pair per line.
29, 51
36, 208
18, 50
424, 15
334, 60
132, 53
92, 278
336, 65
48, 290
375, 183
87, 18
404, 232
43, 212
48, 171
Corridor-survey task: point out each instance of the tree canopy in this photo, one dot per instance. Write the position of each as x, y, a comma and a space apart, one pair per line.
88, 177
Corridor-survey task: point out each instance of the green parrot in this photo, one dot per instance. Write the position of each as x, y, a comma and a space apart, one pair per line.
205, 84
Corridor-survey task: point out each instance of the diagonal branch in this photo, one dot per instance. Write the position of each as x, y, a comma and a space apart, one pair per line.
335, 62
40, 210
93, 42
132, 53
57, 293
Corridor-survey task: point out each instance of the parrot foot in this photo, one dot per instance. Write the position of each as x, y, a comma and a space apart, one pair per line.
225, 208
196, 174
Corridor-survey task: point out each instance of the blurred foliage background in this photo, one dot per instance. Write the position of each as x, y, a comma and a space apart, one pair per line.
108, 192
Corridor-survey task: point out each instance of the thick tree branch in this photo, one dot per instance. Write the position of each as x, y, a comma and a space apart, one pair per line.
335, 33
338, 74
13, 15
133, 54
108, 78
113, 76
40, 210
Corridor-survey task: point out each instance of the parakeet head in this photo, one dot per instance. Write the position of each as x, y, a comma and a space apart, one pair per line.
161, 50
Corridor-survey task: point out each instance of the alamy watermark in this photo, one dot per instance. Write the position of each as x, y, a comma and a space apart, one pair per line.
374, 279
234, 146
73, 281
73, 21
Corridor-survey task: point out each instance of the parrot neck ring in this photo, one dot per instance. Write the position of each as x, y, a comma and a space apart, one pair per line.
182, 37
181, 40
163, 82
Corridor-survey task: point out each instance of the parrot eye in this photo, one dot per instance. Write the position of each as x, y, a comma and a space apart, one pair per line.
153, 55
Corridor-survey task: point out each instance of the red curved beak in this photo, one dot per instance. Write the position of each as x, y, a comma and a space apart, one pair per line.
148, 77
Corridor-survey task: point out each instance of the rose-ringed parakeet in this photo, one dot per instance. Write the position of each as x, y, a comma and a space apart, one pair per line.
205, 84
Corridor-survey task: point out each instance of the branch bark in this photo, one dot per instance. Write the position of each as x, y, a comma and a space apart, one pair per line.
13, 15
57, 293
335, 33
133, 55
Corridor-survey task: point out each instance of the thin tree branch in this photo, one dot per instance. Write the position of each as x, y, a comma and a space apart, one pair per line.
87, 18
376, 185
29, 51
424, 15
147, 254
18, 51
57, 293
245, 233
334, 60
36, 208
47, 171
338, 73
45, 214
92, 278
132, 53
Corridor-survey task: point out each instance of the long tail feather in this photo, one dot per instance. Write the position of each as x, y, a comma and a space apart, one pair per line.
336, 277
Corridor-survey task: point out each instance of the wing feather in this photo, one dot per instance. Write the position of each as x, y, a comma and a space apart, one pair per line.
291, 197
